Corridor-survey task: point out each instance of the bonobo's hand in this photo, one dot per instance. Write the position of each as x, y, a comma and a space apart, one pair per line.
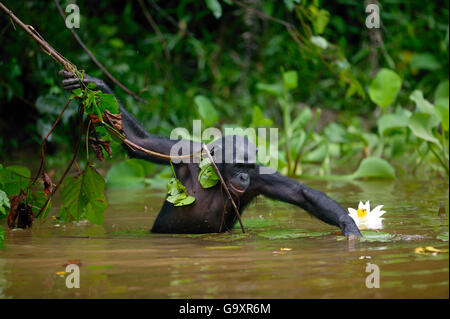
348, 226
70, 82
329, 211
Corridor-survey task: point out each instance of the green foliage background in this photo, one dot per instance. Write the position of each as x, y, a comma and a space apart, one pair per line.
225, 63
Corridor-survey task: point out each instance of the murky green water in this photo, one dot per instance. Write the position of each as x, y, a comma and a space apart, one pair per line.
122, 260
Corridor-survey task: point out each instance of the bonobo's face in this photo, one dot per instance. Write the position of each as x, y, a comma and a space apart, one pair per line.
237, 177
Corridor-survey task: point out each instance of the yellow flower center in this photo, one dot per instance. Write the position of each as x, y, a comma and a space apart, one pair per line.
361, 213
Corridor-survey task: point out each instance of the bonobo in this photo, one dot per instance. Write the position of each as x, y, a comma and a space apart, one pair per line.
212, 211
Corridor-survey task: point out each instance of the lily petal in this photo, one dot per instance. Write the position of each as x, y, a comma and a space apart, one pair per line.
377, 212
361, 205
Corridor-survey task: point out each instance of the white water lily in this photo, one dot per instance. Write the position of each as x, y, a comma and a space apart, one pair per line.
365, 218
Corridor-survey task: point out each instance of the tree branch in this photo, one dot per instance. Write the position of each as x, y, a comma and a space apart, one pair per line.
94, 59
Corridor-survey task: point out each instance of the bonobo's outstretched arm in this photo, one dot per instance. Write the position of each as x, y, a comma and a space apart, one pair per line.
133, 131
313, 201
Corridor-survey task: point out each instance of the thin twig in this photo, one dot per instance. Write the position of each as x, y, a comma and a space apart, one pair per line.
94, 59
44, 143
155, 27
75, 154
47, 48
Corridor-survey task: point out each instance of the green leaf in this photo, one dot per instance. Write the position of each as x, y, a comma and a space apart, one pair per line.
336, 133
421, 124
374, 168
109, 102
258, 119
317, 155
320, 19
13, 179
207, 175
425, 61
4, 204
77, 93
206, 110
215, 7
384, 88
178, 193
83, 197
388, 122
272, 89
373, 236
290, 80
127, 174
442, 91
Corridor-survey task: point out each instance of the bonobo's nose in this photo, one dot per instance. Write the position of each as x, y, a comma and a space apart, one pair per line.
243, 177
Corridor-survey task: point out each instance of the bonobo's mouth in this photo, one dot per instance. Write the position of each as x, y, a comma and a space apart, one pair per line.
237, 189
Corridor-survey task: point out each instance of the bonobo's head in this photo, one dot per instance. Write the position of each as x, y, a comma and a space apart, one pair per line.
235, 156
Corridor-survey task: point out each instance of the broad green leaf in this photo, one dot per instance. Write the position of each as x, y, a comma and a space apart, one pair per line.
336, 133
425, 61
391, 121
215, 7
83, 197
317, 155
258, 119
290, 79
424, 106
4, 204
376, 168
442, 91
108, 102
273, 89
373, 236
126, 174
207, 175
178, 195
421, 124
384, 88
320, 19
77, 93
206, 110
13, 179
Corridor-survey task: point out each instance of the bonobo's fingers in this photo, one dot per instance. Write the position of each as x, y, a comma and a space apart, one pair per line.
69, 82
328, 210
66, 74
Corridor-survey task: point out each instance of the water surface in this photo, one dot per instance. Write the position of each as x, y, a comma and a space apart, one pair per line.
122, 260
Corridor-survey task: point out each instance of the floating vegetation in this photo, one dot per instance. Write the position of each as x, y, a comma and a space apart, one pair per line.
291, 233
